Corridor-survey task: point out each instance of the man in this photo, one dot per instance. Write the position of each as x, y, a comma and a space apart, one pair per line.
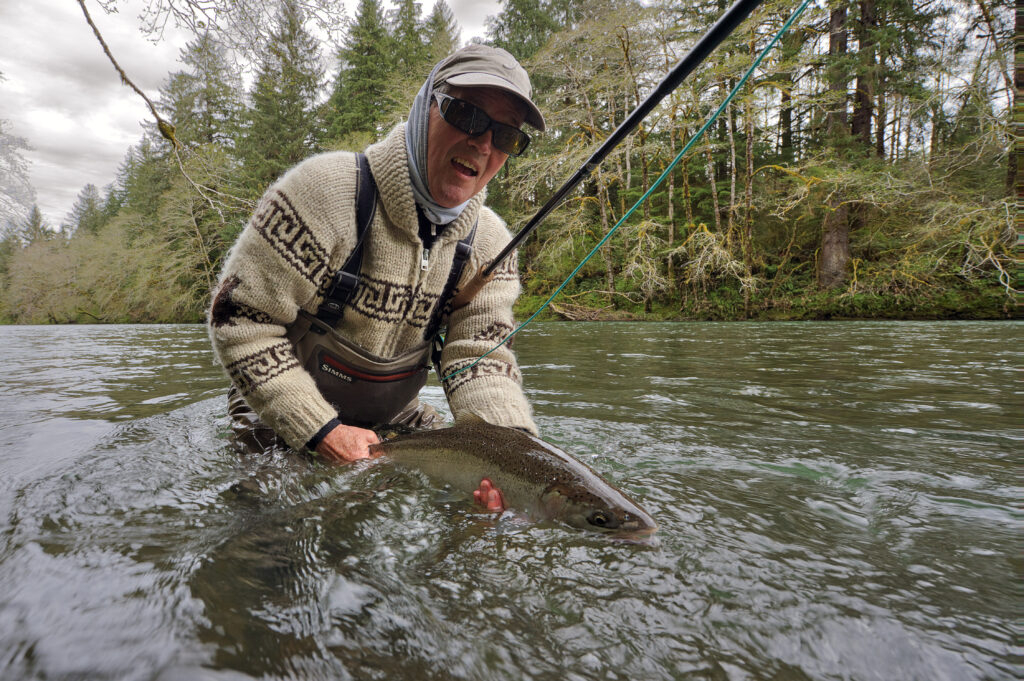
430, 175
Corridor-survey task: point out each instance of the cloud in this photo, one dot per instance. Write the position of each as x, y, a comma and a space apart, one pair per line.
62, 94
472, 16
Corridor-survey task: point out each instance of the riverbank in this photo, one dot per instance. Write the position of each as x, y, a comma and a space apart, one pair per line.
819, 306
795, 299
966, 301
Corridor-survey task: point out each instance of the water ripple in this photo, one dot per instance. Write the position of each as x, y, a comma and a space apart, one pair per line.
835, 501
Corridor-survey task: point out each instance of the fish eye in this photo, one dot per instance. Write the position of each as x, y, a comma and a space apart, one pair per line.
599, 519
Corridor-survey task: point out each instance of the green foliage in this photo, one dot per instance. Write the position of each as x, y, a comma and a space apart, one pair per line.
33, 229
442, 32
143, 177
362, 97
737, 231
281, 127
87, 215
411, 49
524, 26
203, 101
382, 64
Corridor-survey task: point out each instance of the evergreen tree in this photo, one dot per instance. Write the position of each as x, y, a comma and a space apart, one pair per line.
411, 51
33, 228
363, 93
281, 126
143, 177
835, 236
10, 245
87, 215
524, 26
112, 202
442, 32
203, 100
890, 119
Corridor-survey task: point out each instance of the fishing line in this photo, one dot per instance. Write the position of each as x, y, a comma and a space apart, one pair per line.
661, 178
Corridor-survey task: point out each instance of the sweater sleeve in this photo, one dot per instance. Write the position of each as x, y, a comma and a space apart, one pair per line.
280, 263
492, 389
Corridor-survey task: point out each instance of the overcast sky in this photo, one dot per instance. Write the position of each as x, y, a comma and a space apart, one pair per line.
62, 94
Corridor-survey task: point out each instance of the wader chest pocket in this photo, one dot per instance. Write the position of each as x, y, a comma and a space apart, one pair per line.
365, 389
365, 395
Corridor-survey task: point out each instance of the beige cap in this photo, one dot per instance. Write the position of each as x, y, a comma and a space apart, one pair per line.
484, 66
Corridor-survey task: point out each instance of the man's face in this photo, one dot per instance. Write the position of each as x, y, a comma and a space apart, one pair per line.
459, 166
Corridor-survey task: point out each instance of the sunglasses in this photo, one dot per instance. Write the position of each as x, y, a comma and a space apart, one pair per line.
474, 121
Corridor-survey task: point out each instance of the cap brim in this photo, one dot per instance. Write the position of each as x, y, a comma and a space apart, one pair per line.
478, 79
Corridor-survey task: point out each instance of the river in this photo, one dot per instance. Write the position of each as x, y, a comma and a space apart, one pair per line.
836, 501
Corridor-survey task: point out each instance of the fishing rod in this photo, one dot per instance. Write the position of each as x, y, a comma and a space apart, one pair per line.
657, 183
721, 30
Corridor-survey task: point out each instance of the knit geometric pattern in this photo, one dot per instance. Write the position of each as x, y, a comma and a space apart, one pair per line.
301, 233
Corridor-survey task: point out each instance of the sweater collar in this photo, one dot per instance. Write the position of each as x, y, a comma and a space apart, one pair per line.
389, 162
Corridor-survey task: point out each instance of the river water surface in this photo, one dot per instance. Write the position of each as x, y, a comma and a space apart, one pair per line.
836, 501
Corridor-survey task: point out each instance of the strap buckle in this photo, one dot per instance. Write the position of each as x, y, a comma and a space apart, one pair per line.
345, 283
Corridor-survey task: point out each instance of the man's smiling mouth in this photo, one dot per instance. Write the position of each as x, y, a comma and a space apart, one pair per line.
465, 167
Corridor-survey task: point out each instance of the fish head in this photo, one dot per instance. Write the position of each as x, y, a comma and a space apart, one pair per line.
609, 510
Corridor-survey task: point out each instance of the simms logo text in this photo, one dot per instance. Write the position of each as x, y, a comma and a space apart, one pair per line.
328, 369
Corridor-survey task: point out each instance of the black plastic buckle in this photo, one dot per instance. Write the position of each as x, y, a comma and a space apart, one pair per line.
344, 282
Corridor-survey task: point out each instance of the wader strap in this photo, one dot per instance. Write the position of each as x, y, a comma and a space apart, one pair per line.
463, 250
344, 283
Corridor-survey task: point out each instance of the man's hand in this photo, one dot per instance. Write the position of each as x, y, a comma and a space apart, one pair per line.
489, 496
346, 444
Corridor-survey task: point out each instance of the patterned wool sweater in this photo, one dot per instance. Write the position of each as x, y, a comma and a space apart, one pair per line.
299, 236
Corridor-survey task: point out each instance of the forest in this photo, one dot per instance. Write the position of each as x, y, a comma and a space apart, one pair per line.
866, 170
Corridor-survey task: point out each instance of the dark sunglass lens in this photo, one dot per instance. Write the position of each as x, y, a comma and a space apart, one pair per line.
510, 140
467, 118
473, 120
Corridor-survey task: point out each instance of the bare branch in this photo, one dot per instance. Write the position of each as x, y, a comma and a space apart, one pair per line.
166, 129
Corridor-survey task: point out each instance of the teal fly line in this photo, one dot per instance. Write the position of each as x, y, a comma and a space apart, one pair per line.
661, 178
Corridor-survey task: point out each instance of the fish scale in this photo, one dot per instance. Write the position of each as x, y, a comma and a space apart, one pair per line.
533, 475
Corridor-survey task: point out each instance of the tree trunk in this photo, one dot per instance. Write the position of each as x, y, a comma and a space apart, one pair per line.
1004, 68
835, 245
670, 270
881, 114
880, 124
733, 208
748, 190
606, 253
836, 75
672, 136
835, 240
897, 129
604, 201
713, 188
860, 125
687, 199
1014, 162
791, 43
641, 133
786, 119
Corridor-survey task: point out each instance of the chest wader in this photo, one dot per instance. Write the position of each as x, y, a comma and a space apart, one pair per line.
365, 389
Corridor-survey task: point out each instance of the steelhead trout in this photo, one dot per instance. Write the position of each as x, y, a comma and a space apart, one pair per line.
533, 476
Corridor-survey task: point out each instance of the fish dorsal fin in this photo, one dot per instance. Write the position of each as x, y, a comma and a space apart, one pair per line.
470, 417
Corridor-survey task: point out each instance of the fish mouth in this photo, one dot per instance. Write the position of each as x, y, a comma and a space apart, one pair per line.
644, 536
634, 531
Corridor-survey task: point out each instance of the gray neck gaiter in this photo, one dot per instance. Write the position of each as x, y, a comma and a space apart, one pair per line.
416, 146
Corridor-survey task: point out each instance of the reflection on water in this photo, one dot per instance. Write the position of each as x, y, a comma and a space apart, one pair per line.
836, 501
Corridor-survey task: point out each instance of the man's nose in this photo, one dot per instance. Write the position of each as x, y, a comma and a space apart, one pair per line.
482, 142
